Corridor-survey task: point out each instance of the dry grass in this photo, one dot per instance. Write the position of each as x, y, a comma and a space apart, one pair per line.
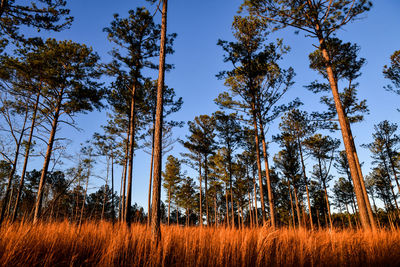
101, 244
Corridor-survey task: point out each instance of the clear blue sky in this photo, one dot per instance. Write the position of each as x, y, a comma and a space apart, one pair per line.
197, 59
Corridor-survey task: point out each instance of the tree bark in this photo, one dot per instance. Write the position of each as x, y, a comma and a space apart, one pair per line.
38, 205
205, 187
112, 188
270, 193
328, 206
13, 168
255, 200
84, 199
27, 151
124, 172
227, 205
156, 214
361, 201
264, 217
297, 205
169, 204
150, 181
201, 195
128, 210
303, 167
291, 204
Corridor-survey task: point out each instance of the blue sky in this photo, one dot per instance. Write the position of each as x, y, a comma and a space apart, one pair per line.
197, 59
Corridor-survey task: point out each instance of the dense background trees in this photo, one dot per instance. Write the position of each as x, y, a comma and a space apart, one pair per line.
259, 157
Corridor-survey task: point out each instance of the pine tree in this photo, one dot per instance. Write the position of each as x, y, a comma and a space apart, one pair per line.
38, 14
256, 83
321, 19
70, 88
172, 178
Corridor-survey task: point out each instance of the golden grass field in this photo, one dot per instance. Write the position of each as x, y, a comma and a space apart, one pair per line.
102, 244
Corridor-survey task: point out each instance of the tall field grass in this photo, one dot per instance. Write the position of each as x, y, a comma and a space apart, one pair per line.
102, 244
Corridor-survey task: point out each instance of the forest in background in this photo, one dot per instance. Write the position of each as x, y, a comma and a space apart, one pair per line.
233, 180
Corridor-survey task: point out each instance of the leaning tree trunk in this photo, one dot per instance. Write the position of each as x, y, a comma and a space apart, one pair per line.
27, 151
361, 200
156, 212
39, 199
360, 175
128, 210
13, 168
270, 193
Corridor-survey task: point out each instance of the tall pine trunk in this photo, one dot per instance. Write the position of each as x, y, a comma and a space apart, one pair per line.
362, 202
269, 187
156, 212
128, 202
124, 172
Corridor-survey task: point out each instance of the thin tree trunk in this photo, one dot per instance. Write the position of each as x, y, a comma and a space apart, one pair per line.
124, 172
328, 206
230, 186
13, 168
264, 216
201, 196
255, 200
105, 193
46, 163
177, 215
297, 205
150, 181
169, 204
215, 212
84, 198
305, 181
205, 188
227, 205
291, 204
269, 187
156, 212
128, 210
250, 210
112, 189
348, 216
392, 165
27, 151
